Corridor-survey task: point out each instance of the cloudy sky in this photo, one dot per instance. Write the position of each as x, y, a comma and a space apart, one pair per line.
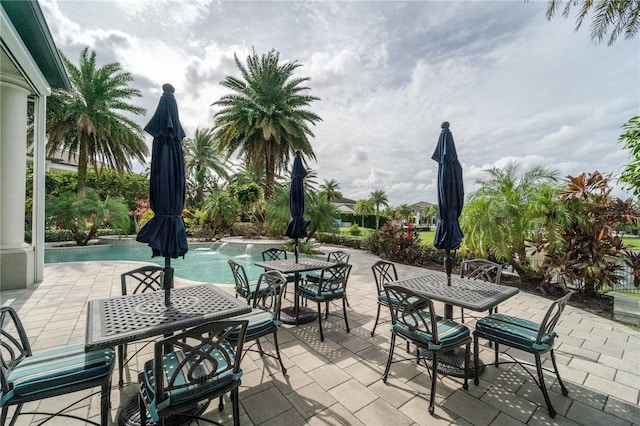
514, 86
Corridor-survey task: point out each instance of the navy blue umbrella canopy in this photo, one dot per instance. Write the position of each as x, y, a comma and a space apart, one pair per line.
297, 227
450, 192
165, 232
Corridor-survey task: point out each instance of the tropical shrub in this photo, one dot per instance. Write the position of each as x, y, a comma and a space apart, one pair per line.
247, 229
142, 213
221, 210
587, 254
129, 186
506, 216
352, 241
355, 230
396, 245
277, 213
85, 214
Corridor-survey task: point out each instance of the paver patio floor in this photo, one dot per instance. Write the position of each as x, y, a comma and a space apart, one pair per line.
338, 381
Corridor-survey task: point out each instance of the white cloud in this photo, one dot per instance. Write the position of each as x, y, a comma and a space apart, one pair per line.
513, 85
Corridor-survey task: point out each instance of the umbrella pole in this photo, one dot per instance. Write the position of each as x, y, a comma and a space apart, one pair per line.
448, 266
167, 283
296, 250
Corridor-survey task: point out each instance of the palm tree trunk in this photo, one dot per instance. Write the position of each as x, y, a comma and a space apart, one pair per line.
82, 169
270, 173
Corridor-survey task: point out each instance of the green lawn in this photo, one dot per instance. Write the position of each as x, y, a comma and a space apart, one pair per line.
632, 242
426, 237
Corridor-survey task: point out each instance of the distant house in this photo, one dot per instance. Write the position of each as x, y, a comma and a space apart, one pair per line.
344, 205
416, 210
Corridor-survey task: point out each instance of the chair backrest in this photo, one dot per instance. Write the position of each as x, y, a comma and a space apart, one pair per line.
240, 277
551, 318
384, 272
205, 356
142, 280
334, 278
338, 256
14, 344
413, 316
274, 254
270, 285
481, 269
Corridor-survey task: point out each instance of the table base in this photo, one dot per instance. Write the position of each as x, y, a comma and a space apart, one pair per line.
130, 414
451, 363
305, 315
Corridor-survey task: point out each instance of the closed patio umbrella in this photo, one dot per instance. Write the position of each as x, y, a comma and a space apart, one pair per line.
165, 232
297, 227
450, 200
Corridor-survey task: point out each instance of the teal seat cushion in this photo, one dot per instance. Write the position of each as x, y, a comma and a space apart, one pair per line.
517, 332
251, 294
193, 391
260, 323
450, 333
52, 369
313, 277
310, 291
383, 300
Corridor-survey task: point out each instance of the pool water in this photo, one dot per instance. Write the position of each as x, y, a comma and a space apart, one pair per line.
201, 263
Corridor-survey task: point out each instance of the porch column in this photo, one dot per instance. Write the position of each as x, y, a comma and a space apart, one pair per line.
16, 257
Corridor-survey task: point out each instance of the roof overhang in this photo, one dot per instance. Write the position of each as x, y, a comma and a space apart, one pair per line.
28, 21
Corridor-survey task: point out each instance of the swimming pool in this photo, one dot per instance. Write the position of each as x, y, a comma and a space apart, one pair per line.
203, 262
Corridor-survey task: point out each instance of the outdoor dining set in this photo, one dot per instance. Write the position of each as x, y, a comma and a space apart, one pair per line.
199, 332
206, 332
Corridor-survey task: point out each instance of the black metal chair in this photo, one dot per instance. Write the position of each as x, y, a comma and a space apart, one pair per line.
264, 319
415, 324
27, 377
383, 272
278, 254
481, 269
332, 286
192, 366
337, 256
244, 287
140, 280
527, 336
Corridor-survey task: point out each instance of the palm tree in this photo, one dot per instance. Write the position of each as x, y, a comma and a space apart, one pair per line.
379, 198
506, 215
615, 15
363, 208
202, 161
331, 190
89, 121
429, 212
322, 214
405, 213
264, 118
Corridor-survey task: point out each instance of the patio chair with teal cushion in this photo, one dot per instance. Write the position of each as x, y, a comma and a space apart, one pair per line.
383, 272
278, 254
195, 365
140, 280
264, 318
337, 256
27, 376
481, 269
244, 287
528, 336
422, 327
332, 286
